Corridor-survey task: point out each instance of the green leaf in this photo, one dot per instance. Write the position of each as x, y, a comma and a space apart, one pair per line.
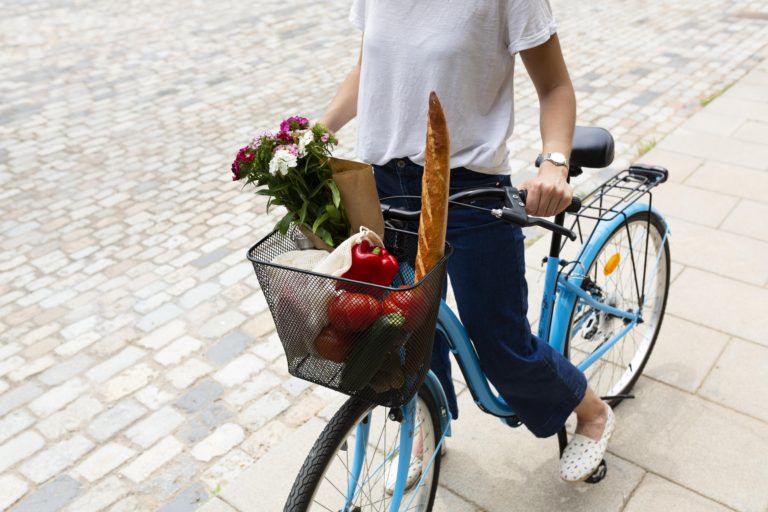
325, 236
319, 221
279, 188
333, 212
283, 224
317, 189
335, 192
303, 213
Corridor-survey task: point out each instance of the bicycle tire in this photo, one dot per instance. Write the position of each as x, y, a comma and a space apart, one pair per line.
638, 361
330, 442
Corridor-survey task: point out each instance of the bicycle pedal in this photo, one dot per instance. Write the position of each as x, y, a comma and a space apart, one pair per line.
599, 473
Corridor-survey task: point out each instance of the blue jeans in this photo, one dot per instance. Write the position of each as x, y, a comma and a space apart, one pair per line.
487, 271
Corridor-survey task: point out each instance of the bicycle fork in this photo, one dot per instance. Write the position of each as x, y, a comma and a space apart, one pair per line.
408, 428
407, 431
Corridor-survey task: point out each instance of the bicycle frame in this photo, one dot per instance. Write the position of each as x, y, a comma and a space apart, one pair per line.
561, 291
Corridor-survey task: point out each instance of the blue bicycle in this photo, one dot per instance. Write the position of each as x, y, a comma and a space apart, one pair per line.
602, 309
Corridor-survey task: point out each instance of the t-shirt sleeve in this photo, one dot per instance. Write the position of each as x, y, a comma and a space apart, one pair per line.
357, 14
529, 24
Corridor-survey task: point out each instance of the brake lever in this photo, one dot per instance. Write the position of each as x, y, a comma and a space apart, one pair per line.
538, 221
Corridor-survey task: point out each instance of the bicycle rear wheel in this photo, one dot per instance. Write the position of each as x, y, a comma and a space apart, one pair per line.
630, 273
323, 481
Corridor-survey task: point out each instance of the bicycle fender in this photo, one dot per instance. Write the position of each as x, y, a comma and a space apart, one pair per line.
605, 228
433, 385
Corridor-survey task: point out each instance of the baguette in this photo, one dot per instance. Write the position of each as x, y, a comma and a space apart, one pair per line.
434, 190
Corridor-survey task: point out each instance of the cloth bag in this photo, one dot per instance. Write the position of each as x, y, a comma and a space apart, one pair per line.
339, 261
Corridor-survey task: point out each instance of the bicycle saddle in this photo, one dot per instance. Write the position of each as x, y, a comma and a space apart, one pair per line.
592, 147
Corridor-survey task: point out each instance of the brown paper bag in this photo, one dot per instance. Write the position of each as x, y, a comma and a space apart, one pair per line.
358, 197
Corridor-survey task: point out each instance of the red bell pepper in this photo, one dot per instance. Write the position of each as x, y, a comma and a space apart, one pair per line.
370, 264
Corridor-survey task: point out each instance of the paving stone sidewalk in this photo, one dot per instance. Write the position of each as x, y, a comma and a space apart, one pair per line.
139, 369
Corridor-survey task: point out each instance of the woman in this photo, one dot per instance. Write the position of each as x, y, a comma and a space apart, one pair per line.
465, 51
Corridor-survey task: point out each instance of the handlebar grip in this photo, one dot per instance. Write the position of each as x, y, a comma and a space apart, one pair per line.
574, 207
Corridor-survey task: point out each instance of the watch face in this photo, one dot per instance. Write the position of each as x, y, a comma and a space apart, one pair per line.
557, 158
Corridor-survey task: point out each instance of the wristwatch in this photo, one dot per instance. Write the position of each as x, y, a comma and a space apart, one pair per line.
554, 157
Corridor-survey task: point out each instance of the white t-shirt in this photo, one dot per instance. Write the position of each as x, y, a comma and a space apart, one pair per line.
463, 50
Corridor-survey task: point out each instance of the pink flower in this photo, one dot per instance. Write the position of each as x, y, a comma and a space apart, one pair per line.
324, 137
242, 157
292, 149
259, 139
294, 123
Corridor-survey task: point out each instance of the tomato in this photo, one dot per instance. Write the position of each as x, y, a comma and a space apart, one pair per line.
413, 304
333, 345
353, 312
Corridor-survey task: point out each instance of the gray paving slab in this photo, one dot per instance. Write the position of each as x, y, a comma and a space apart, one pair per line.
739, 379
216, 504
268, 482
502, 469
685, 353
698, 296
737, 257
679, 201
718, 148
720, 178
656, 493
52, 496
745, 219
712, 450
447, 501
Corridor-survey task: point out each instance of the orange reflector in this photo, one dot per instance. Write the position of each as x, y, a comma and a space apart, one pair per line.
613, 262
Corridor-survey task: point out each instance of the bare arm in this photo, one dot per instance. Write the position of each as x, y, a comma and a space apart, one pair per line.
343, 108
549, 193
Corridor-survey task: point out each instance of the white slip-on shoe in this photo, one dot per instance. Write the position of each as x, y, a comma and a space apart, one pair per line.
414, 473
583, 455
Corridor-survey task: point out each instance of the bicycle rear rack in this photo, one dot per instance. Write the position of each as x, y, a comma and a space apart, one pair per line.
613, 197
621, 191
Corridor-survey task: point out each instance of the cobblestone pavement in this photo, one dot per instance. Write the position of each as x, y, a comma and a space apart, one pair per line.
139, 369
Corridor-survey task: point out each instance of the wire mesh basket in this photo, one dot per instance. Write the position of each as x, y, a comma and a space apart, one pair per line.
364, 340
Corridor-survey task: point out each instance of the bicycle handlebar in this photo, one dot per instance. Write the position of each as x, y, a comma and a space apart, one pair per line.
512, 211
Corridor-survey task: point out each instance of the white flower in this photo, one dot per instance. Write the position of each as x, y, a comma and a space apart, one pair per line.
304, 140
281, 161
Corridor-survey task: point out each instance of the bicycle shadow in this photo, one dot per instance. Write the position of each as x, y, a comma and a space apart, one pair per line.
502, 469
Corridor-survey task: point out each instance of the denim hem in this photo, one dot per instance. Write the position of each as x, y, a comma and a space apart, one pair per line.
557, 419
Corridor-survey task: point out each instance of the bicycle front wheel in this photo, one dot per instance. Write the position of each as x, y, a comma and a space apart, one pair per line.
323, 482
630, 273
